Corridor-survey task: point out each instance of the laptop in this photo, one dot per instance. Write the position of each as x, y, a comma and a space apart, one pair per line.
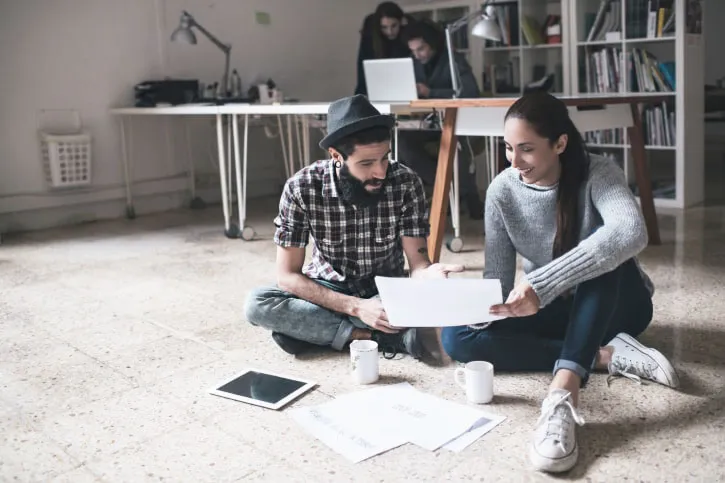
390, 80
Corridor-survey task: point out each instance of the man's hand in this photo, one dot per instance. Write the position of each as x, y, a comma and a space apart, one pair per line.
372, 313
522, 301
438, 270
423, 90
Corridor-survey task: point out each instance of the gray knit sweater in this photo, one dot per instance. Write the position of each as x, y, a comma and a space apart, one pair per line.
521, 218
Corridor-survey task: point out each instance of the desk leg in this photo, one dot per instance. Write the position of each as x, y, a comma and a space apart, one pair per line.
290, 146
444, 173
643, 179
284, 146
196, 202
306, 131
246, 232
395, 136
299, 132
223, 176
130, 212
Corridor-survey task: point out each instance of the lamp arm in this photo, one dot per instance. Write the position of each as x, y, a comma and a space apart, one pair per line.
450, 29
452, 63
222, 46
226, 48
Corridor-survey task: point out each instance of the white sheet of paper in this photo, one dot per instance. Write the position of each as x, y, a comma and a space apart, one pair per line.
485, 425
341, 430
413, 302
425, 420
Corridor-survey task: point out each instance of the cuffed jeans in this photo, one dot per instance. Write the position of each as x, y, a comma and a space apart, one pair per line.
565, 334
283, 312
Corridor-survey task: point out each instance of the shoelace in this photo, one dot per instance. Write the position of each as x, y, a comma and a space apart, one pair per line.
634, 371
554, 415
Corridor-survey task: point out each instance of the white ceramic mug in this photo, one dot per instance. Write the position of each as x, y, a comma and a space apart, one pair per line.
364, 360
477, 381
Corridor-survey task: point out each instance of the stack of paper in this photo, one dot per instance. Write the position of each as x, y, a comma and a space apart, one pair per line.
370, 422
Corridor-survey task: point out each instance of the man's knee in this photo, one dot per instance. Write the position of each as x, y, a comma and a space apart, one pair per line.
258, 304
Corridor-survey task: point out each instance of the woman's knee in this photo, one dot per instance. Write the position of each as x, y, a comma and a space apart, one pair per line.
456, 344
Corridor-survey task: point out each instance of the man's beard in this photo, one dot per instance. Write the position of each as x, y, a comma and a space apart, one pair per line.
353, 190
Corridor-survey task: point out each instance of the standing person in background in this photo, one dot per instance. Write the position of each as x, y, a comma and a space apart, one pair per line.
419, 149
381, 39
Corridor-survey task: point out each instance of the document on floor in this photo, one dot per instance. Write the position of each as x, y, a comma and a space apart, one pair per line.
389, 416
413, 302
485, 425
346, 432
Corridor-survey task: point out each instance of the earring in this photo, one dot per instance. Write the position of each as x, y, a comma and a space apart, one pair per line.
338, 164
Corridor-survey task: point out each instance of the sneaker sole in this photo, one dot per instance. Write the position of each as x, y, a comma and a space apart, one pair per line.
673, 379
549, 465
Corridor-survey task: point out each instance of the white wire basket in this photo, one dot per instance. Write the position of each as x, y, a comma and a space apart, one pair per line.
66, 155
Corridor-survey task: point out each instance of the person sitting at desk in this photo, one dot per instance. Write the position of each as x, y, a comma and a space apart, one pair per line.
419, 149
584, 298
381, 38
364, 214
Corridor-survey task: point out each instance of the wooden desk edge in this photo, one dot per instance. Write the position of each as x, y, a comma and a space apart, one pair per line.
507, 101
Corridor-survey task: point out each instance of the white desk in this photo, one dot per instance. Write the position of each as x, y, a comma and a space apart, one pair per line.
126, 142
240, 151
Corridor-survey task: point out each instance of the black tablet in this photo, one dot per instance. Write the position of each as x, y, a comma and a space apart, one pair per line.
263, 388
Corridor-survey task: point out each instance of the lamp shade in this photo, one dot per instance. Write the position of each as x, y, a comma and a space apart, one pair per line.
183, 33
487, 28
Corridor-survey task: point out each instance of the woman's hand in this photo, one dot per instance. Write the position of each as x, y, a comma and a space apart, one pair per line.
522, 301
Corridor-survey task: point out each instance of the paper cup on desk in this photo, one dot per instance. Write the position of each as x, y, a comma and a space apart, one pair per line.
477, 379
364, 361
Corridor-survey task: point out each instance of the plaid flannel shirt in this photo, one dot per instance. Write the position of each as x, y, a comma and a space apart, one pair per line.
351, 245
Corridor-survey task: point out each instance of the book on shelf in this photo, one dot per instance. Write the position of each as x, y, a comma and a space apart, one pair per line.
659, 125
538, 34
507, 16
552, 29
648, 74
605, 136
503, 77
647, 19
603, 70
606, 24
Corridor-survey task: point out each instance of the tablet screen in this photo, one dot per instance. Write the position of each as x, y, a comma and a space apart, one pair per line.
261, 386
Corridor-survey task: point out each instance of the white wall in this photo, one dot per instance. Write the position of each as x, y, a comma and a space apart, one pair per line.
714, 40
88, 54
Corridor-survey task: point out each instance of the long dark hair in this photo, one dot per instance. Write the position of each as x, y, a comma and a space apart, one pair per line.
371, 27
549, 118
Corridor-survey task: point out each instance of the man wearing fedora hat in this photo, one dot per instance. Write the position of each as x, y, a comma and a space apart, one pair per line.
365, 215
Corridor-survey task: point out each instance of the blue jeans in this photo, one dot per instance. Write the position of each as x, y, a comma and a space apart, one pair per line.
283, 312
565, 334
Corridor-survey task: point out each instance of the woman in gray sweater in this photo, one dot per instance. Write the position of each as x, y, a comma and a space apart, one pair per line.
583, 298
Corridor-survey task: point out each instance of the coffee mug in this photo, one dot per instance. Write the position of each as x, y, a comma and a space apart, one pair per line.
364, 360
477, 379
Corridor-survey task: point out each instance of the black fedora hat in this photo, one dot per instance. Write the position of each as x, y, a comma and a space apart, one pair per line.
352, 114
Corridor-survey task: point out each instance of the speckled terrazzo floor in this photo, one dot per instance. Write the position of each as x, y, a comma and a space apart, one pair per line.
112, 333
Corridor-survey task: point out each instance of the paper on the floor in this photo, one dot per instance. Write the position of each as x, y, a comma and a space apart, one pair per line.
342, 431
485, 425
414, 302
365, 423
427, 421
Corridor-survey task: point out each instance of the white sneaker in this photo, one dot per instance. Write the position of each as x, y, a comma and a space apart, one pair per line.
554, 448
635, 361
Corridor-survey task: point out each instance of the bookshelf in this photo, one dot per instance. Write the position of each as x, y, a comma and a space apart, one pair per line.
534, 46
634, 49
643, 46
